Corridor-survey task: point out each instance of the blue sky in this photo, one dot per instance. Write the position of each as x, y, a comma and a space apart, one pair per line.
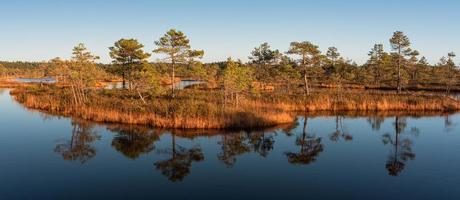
40, 30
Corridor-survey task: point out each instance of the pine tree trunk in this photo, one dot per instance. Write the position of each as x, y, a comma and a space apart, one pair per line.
399, 71
307, 89
173, 75
124, 79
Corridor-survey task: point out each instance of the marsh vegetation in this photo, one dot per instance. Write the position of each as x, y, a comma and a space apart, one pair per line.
268, 90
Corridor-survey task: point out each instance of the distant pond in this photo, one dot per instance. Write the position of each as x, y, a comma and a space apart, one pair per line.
186, 83
36, 80
110, 85
180, 85
315, 157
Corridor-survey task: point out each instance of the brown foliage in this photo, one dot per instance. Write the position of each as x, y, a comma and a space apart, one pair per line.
206, 109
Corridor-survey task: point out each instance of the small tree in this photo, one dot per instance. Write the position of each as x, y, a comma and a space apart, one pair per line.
236, 78
286, 71
128, 54
400, 44
376, 59
264, 58
58, 69
448, 72
195, 69
309, 54
177, 48
333, 65
148, 79
333, 55
84, 66
423, 72
412, 63
82, 72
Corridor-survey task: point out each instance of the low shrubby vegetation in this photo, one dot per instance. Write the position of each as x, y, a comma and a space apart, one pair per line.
209, 109
268, 90
189, 109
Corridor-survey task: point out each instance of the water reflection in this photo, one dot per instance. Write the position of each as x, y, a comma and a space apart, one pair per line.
239, 143
340, 132
310, 147
261, 142
151, 159
232, 145
376, 122
135, 141
449, 125
78, 147
401, 150
178, 165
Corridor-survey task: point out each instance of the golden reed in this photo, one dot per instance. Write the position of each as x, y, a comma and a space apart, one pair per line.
207, 113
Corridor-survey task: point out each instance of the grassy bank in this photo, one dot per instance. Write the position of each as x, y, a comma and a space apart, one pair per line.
206, 109
187, 110
11, 83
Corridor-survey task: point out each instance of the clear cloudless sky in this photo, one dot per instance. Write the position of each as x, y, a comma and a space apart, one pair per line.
36, 30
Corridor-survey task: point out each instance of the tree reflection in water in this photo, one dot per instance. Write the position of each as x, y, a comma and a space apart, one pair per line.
448, 124
402, 151
339, 131
261, 142
236, 144
79, 148
232, 145
178, 166
290, 128
133, 141
376, 122
310, 147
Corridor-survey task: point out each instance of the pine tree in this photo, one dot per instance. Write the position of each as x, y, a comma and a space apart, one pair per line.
128, 54
309, 54
175, 45
400, 44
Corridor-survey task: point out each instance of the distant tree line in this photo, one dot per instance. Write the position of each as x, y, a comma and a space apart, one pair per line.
21, 69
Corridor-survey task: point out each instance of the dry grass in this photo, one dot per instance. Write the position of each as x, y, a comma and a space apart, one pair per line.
205, 110
360, 100
10, 83
183, 113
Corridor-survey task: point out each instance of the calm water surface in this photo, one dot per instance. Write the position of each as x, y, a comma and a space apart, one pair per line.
180, 85
44, 157
36, 80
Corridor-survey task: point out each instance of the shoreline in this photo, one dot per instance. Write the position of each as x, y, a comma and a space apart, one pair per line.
199, 112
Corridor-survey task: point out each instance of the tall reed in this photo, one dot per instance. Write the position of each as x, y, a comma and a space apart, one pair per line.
207, 110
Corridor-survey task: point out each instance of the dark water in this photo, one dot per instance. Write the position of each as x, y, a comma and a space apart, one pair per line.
43, 157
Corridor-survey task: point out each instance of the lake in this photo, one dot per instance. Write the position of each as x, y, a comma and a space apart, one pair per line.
340, 157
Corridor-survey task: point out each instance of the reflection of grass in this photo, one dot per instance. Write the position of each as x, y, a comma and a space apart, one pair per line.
205, 109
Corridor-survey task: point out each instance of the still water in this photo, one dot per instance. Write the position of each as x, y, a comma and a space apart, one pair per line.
46, 157
183, 84
36, 80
